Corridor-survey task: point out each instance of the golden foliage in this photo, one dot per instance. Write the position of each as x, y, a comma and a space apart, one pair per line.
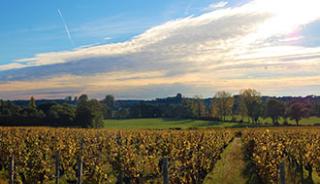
270, 147
112, 154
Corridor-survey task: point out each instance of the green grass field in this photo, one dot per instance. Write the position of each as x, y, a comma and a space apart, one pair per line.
158, 123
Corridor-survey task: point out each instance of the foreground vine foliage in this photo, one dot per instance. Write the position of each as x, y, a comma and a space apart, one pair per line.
267, 148
110, 156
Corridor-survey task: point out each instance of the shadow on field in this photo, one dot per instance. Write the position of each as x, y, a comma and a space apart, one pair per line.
202, 123
226, 124
176, 120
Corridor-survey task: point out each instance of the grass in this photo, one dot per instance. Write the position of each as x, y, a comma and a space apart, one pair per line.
230, 168
306, 121
159, 123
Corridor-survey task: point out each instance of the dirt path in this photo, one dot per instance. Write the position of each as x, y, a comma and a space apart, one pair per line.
230, 168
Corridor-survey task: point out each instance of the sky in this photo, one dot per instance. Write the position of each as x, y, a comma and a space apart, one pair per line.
146, 49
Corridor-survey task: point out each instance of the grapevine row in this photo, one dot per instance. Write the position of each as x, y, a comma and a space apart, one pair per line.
110, 156
267, 148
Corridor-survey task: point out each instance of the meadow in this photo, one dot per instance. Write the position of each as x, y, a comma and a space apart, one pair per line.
159, 123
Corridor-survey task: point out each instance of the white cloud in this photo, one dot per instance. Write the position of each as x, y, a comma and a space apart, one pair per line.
11, 66
107, 38
229, 48
291, 39
88, 45
216, 5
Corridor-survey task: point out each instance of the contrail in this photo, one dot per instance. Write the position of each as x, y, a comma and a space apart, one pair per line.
66, 27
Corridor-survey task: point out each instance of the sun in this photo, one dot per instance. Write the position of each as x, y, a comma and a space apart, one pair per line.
286, 16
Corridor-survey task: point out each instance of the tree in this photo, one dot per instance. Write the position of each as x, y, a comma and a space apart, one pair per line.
251, 101
198, 108
316, 108
45, 107
62, 115
183, 110
257, 111
275, 109
83, 98
285, 115
122, 113
89, 114
108, 104
31, 115
32, 103
180, 110
222, 104
9, 113
297, 111
179, 98
242, 110
68, 98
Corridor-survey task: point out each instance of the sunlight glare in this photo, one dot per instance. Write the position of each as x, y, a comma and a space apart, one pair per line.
287, 16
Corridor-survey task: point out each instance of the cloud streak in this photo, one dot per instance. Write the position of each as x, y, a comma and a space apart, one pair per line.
214, 6
66, 27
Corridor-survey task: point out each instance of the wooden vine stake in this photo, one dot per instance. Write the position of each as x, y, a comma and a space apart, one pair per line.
57, 165
80, 163
165, 170
11, 180
282, 172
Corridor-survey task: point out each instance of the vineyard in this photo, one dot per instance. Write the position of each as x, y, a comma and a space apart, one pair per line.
109, 156
295, 149
45, 155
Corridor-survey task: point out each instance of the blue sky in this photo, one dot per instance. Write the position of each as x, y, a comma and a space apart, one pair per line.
147, 49
30, 27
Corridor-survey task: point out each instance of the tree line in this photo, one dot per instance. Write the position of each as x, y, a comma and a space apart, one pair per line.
247, 106
86, 113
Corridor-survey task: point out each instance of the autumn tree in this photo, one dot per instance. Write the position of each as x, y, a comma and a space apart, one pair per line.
251, 101
198, 108
242, 110
222, 104
297, 111
275, 109
194, 107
